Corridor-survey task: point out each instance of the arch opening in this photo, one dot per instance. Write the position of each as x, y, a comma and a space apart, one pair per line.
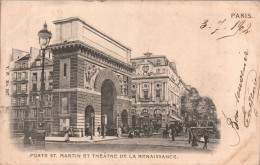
89, 124
108, 103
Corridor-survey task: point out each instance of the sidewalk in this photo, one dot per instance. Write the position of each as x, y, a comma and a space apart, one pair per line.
80, 139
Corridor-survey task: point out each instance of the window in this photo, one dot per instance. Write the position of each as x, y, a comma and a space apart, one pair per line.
50, 75
23, 87
38, 63
133, 94
34, 78
32, 99
19, 101
14, 89
14, 101
146, 94
146, 68
64, 124
157, 93
47, 112
14, 76
24, 76
18, 88
24, 65
22, 101
33, 113
158, 62
19, 76
34, 87
64, 105
65, 70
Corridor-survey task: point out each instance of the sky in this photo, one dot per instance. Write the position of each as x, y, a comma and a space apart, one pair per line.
163, 28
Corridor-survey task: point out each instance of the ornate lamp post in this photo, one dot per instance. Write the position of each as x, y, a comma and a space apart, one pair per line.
44, 40
92, 125
37, 113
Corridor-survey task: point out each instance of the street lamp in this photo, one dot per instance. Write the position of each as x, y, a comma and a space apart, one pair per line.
118, 115
92, 125
44, 40
37, 98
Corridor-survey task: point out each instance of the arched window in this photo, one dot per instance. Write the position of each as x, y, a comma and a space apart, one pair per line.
158, 62
157, 112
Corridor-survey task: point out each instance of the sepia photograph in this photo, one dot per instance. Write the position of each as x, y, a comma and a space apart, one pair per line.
133, 82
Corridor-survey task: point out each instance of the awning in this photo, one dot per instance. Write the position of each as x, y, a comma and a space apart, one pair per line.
173, 118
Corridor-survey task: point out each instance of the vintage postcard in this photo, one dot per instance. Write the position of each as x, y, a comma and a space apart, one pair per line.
135, 82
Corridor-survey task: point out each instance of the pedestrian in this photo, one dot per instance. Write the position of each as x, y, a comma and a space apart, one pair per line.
67, 139
206, 137
119, 132
173, 138
99, 129
131, 134
194, 141
71, 133
190, 136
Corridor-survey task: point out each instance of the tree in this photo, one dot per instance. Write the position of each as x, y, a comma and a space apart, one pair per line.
189, 103
197, 108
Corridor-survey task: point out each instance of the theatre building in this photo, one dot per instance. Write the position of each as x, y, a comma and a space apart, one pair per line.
91, 76
156, 92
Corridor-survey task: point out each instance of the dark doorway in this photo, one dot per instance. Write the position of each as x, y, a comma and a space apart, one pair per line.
108, 98
88, 120
134, 122
125, 119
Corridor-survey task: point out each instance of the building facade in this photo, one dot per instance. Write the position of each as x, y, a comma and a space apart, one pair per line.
23, 67
90, 80
91, 77
35, 91
19, 71
156, 92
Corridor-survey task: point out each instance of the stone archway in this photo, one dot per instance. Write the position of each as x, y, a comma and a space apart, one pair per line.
107, 74
89, 124
107, 83
108, 103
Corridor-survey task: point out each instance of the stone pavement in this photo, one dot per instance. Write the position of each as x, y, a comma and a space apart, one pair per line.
79, 139
180, 141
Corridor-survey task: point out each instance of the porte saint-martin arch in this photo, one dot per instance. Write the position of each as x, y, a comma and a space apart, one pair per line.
92, 75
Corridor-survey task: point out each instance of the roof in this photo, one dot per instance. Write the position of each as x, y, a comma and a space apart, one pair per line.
24, 58
149, 57
173, 66
90, 26
47, 61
